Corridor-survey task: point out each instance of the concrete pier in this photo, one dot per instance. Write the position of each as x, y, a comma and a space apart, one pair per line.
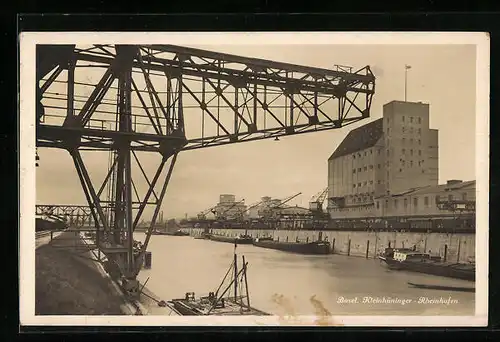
457, 247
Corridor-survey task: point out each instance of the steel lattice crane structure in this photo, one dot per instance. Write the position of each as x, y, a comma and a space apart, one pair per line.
147, 98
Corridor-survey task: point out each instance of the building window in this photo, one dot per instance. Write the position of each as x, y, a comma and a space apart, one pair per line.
359, 185
378, 152
365, 168
353, 156
418, 130
426, 201
415, 202
411, 119
419, 142
400, 170
411, 163
359, 169
378, 205
354, 185
411, 152
386, 204
387, 152
354, 171
403, 151
371, 182
450, 197
403, 129
406, 203
411, 141
419, 120
365, 153
371, 151
419, 152
438, 198
378, 166
403, 118
464, 196
365, 183
378, 182
404, 141
371, 167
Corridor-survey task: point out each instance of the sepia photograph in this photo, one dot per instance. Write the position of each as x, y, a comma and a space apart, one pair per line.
318, 179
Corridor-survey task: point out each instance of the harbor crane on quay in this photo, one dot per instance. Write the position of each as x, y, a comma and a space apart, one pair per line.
133, 101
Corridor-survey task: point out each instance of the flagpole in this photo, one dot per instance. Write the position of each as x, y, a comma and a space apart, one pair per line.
406, 79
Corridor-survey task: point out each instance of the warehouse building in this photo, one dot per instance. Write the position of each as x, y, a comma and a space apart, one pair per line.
389, 167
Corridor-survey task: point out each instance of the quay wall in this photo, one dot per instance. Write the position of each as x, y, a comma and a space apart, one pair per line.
457, 247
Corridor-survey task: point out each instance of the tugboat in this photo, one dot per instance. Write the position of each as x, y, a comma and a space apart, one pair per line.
414, 261
220, 302
313, 248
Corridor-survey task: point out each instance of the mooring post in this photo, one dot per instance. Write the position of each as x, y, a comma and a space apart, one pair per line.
458, 251
445, 252
349, 248
333, 246
367, 248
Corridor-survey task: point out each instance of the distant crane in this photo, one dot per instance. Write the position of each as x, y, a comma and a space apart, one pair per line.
222, 214
203, 215
270, 211
316, 203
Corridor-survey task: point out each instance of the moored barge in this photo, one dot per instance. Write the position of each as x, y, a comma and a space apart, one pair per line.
414, 261
313, 248
240, 240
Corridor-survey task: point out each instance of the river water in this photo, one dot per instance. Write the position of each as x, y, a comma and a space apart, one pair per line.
283, 283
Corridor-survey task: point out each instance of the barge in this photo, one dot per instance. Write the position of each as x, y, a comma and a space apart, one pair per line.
240, 240
414, 261
313, 248
221, 302
170, 233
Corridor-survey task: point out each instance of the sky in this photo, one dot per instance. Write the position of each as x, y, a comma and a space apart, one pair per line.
443, 76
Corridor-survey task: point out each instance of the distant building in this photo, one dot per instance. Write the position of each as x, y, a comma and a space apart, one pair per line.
383, 158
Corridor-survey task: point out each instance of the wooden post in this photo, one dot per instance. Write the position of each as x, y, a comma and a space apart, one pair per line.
367, 248
458, 251
333, 246
445, 252
349, 248
235, 277
307, 239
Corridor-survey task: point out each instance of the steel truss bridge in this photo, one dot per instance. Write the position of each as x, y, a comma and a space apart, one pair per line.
125, 100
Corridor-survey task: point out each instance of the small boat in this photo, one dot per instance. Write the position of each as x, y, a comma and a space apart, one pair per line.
221, 302
441, 287
240, 240
316, 247
414, 261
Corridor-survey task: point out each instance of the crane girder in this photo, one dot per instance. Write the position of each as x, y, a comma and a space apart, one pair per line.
165, 99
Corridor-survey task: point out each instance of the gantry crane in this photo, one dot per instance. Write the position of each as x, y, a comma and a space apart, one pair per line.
141, 100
